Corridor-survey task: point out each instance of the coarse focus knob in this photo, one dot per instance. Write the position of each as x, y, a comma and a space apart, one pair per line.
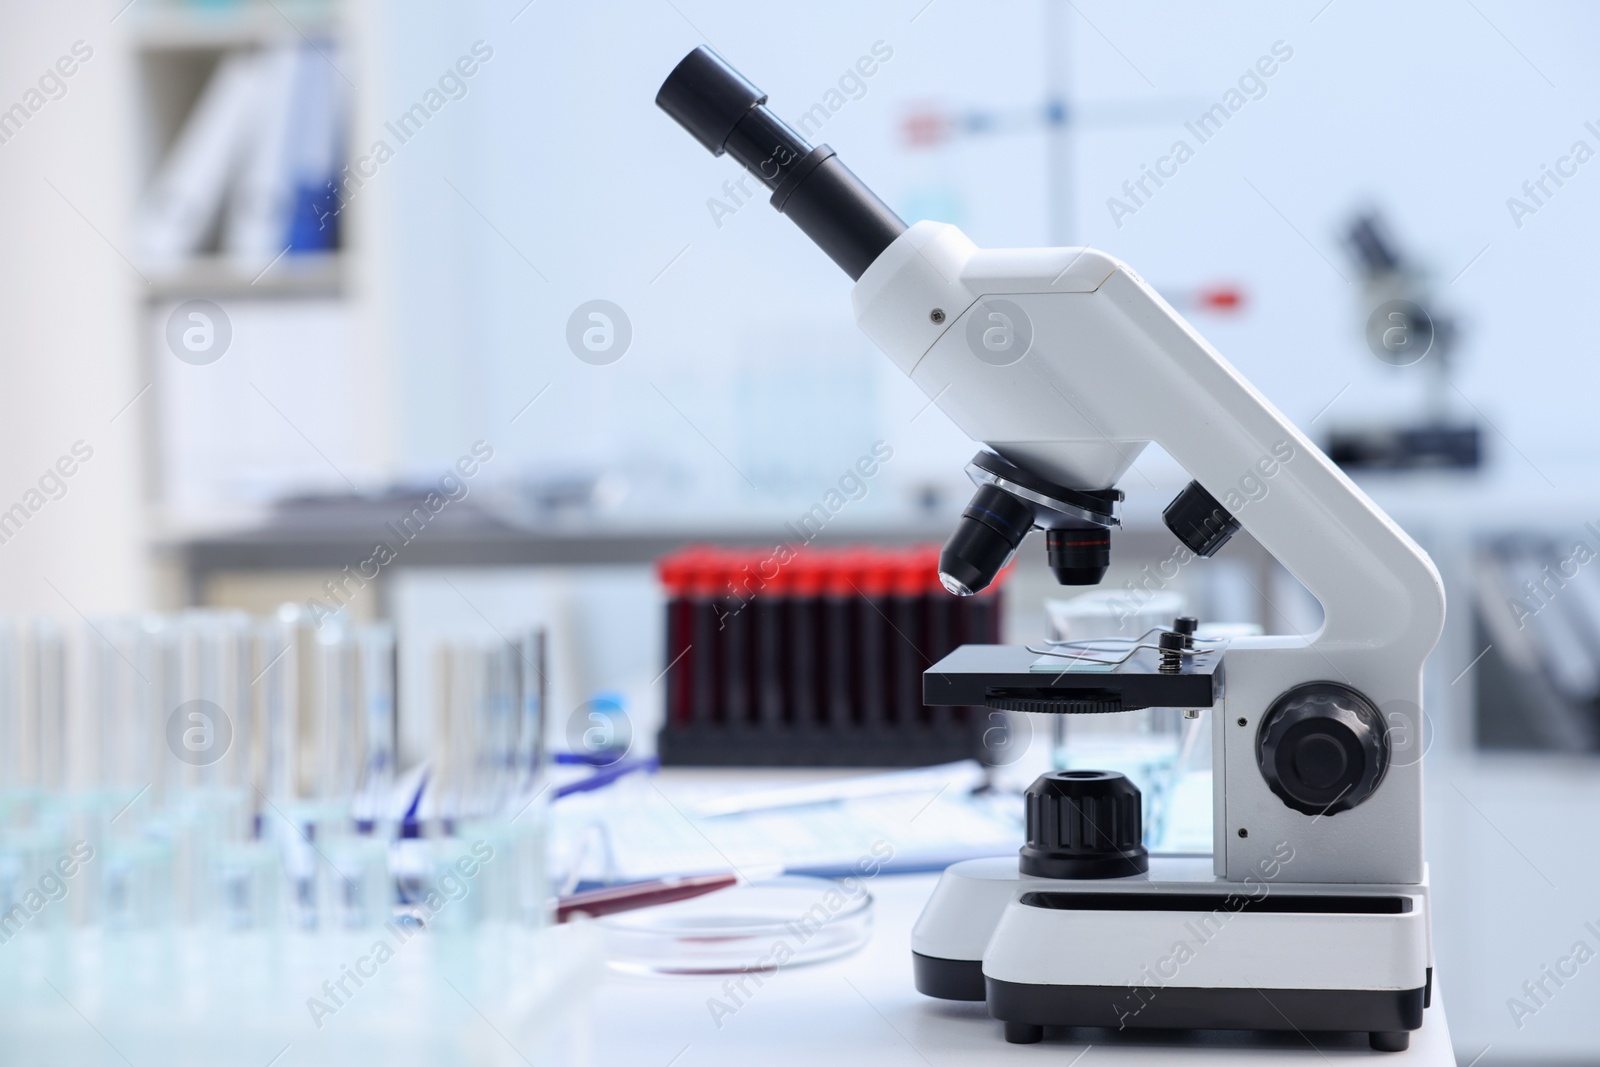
1084, 824
1322, 748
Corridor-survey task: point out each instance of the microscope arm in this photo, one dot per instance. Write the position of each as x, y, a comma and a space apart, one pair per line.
1110, 367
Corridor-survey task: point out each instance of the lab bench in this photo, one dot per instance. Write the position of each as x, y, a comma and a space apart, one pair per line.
865, 1009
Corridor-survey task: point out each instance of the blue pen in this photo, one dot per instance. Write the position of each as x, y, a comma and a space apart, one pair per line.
585, 759
604, 776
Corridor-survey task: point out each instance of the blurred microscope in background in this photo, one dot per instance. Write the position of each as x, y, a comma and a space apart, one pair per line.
1404, 325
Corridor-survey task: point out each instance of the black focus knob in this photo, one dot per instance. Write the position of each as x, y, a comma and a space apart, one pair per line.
1322, 748
1199, 521
1084, 824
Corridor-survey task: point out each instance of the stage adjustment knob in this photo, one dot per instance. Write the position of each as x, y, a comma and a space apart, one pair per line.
1322, 748
1084, 824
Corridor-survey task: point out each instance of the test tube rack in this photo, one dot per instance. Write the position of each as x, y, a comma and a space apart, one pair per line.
814, 657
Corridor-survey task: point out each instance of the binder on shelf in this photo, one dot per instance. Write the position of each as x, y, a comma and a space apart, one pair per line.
255, 164
257, 224
182, 206
317, 119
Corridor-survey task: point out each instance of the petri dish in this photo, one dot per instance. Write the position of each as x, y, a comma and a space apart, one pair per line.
787, 921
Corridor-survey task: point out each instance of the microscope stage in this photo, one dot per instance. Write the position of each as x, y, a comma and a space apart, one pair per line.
1015, 678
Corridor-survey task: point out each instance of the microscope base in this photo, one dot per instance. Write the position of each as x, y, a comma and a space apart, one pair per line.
1177, 949
1388, 1016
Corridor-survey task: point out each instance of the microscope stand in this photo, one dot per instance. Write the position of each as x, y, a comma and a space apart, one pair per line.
1177, 948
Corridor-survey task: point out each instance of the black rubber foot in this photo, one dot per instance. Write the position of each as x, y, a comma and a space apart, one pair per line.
1389, 1040
1025, 1033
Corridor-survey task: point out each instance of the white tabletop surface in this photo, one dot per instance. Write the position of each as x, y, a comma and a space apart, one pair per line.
865, 1010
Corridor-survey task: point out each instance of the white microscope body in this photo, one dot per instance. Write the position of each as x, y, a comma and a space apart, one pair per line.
1110, 367
1312, 912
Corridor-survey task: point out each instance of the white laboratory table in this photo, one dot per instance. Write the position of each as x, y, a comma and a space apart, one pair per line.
864, 1010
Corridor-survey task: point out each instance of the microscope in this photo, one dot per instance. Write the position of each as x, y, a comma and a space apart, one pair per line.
1311, 913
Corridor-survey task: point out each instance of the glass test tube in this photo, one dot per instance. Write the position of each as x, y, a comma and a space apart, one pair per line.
337, 719
377, 666
532, 688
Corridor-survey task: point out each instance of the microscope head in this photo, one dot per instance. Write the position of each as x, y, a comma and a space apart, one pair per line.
727, 114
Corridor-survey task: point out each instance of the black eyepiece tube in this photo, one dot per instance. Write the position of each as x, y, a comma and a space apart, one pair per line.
707, 97
725, 113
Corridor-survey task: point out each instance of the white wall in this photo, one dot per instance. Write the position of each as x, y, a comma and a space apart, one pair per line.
1426, 110
67, 327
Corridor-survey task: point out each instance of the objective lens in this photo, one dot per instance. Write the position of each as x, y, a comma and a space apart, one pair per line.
1079, 557
991, 528
952, 585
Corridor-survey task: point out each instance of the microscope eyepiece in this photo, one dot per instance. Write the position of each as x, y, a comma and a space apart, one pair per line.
708, 98
726, 113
